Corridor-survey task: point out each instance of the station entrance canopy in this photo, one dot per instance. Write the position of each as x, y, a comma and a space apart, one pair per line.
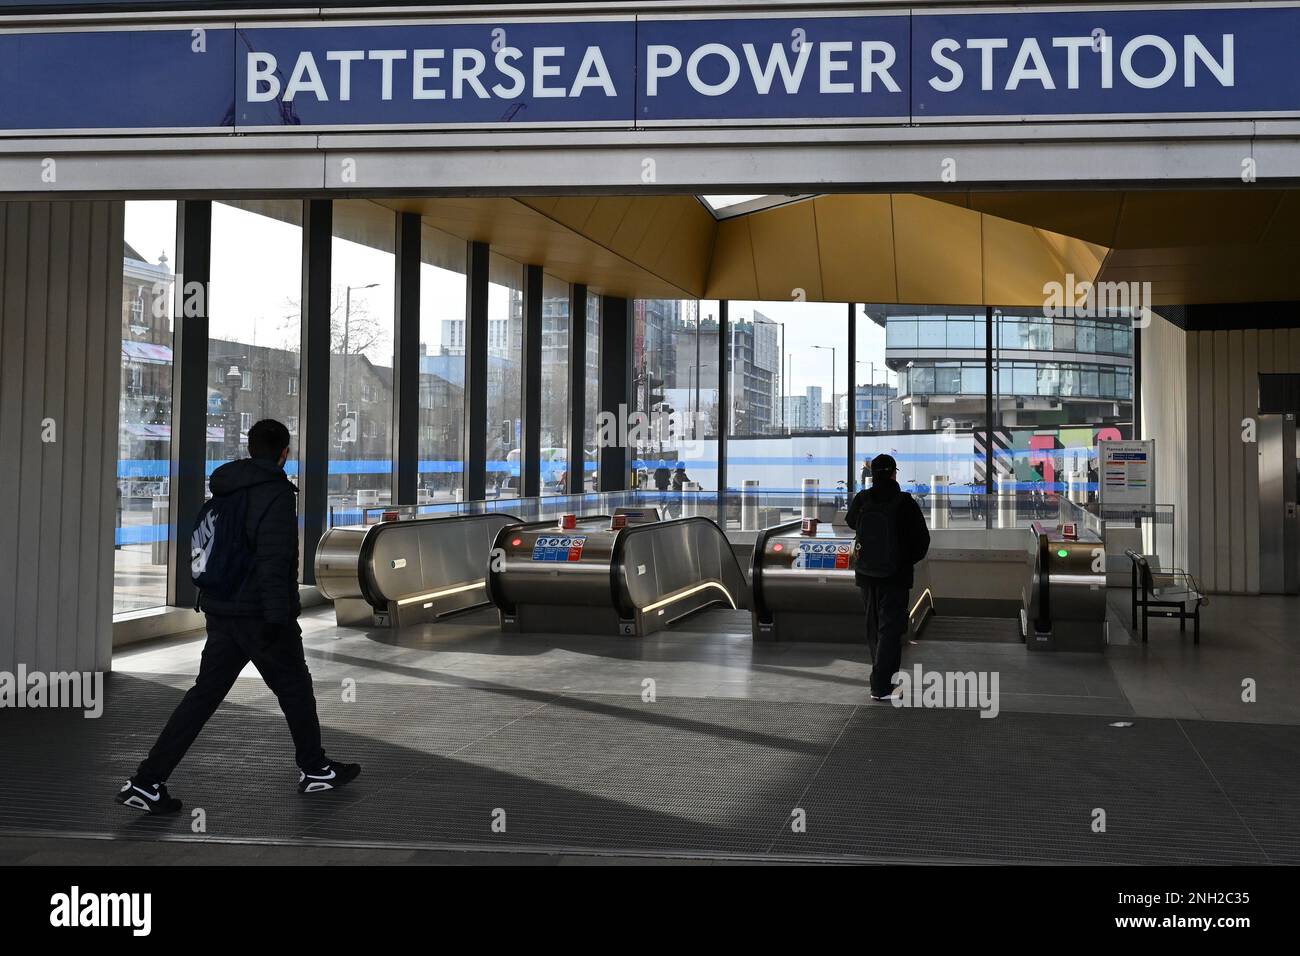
905, 67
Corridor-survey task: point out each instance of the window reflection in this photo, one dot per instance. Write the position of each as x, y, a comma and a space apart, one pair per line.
362, 318
505, 376
443, 266
145, 407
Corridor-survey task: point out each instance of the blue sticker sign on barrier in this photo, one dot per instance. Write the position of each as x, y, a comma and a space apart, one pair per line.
559, 547
824, 554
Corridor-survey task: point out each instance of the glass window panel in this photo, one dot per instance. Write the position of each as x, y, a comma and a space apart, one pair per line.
1105, 337
901, 333
591, 446
961, 333
1085, 336
1039, 333
1123, 340
555, 385
1064, 336
675, 366
505, 376
254, 306
932, 333
443, 300
144, 407
1012, 332
361, 366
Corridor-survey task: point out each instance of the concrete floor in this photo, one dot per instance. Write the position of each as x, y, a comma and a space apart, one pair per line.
712, 655
711, 658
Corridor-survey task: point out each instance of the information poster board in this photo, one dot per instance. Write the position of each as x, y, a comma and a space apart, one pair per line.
1127, 472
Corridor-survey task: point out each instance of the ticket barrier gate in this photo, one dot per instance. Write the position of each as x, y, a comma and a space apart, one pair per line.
398, 573
1064, 599
617, 577
804, 588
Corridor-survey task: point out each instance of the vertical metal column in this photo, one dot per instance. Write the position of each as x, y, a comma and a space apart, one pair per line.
530, 458
315, 410
189, 391
988, 416
724, 404
852, 398
474, 478
615, 379
406, 361
577, 465
1135, 381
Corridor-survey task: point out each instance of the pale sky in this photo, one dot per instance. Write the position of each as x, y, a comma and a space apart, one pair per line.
256, 285
819, 323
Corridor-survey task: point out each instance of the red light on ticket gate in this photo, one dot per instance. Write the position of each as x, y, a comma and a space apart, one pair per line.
517, 542
778, 546
569, 522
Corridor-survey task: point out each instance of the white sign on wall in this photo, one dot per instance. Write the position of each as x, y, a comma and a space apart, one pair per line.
1127, 472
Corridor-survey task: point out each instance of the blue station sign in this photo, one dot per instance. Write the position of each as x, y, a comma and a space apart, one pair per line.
636, 71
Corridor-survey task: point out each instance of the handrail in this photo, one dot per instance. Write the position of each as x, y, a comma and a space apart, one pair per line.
373, 531
1044, 622
625, 608
756, 567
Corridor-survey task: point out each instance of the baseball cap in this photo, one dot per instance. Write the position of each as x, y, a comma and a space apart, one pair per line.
883, 464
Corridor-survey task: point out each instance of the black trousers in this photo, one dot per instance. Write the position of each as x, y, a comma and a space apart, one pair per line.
886, 625
232, 643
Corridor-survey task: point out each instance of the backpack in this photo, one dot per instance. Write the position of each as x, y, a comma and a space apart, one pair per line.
220, 556
879, 554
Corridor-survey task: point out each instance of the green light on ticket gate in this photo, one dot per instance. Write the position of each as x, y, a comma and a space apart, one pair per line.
1062, 553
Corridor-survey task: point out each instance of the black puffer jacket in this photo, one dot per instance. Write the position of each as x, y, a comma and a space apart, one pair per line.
271, 591
913, 535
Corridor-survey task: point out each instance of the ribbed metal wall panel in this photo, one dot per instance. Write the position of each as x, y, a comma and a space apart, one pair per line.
60, 359
1222, 469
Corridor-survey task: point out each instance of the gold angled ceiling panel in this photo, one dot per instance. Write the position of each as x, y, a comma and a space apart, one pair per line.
1232, 245
626, 246
1194, 246
900, 248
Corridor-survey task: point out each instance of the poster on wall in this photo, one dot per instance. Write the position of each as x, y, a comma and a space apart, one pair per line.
1127, 472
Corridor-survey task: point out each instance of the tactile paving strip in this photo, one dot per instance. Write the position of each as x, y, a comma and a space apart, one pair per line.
680, 775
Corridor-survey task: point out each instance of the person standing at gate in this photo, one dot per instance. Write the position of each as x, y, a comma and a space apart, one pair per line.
244, 555
890, 538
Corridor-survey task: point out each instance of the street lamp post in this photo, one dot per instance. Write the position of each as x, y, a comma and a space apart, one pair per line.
234, 382
347, 330
871, 391
347, 363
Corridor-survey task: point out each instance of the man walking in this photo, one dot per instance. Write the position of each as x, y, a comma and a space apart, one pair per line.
257, 620
891, 539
